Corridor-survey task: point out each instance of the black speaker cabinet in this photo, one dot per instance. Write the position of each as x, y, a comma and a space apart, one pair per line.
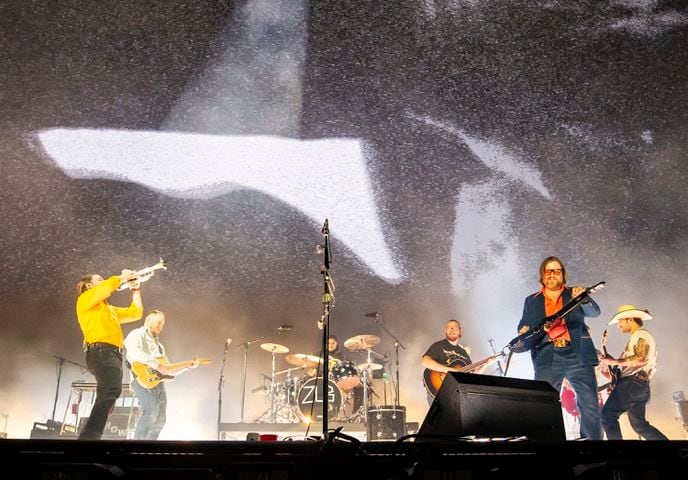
43, 430
387, 422
486, 406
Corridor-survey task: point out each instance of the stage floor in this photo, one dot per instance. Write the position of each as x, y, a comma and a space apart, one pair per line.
344, 457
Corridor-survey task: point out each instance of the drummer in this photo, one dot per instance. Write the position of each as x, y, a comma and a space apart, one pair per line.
333, 348
334, 353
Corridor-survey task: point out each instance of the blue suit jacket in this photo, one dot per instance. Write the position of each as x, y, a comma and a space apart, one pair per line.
542, 353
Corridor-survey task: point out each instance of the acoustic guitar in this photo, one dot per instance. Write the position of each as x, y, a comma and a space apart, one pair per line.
149, 377
433, 379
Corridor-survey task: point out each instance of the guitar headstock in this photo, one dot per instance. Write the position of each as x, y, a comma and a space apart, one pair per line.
161, 264
597, 287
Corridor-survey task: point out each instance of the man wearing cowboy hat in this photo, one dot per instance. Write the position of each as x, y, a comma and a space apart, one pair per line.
632, 391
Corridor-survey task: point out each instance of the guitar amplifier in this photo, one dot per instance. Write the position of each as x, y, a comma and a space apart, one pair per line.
118, 426
387, 422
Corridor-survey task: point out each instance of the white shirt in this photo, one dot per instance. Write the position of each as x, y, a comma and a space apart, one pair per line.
651, 362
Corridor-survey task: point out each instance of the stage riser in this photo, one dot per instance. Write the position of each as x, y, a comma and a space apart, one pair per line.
629, 460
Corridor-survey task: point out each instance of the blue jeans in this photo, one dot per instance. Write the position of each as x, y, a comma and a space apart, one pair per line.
105, 362
582, 378
153, 405
630, 395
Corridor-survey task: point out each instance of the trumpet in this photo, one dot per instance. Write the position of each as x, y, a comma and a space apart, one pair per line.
143, 275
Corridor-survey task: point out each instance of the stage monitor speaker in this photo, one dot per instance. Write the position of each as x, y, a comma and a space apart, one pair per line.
487, 406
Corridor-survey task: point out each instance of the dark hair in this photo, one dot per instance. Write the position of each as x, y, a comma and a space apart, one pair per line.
334, 337
544, 264
81, 286
639, 321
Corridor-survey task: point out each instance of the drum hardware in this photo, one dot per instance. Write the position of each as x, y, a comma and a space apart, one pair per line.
361, 342
303, 360
244, 361
376, 317
274, 349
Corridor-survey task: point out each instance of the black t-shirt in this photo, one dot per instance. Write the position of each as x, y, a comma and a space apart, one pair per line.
448, 354
338, 355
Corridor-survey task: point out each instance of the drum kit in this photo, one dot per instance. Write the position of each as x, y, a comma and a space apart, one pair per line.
295, 394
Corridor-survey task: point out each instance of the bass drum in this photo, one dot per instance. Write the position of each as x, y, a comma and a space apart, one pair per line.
310, 399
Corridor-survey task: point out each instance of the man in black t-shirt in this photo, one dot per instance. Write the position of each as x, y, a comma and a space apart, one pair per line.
334, 351
446, 355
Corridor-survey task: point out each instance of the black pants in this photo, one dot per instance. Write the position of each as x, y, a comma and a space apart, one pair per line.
105, 363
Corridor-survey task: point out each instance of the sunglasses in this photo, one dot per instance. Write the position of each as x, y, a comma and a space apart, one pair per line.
553, 271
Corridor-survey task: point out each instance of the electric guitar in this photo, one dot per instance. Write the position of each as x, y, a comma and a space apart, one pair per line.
149, 377
614, 370
531, 338
432, 379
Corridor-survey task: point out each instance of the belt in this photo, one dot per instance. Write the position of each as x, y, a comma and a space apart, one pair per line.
102, 346
560, 343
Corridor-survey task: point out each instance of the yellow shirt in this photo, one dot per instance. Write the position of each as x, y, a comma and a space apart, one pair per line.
100, 321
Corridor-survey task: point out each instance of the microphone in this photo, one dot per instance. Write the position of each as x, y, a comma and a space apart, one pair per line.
321, 323
227, 342
285, 328
372, 314
326, 228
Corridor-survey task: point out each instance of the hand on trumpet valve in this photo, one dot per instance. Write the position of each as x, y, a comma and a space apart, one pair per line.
130, 279
128, 275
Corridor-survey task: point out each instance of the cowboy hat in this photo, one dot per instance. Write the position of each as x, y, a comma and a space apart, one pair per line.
629, 311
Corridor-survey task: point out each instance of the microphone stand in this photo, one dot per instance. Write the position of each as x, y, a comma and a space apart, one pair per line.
328, 305
60, 363
219, 390
244, 363
397, 344
499, 363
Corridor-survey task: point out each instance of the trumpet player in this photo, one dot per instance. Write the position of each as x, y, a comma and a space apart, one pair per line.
100, 323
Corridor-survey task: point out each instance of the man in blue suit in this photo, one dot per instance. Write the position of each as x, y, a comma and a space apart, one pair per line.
567, 350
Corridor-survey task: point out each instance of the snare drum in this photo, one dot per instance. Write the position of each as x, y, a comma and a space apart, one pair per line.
310, 394
346, 375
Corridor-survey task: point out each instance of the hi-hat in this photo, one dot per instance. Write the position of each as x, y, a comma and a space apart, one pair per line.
371, 366
301, 360
362, 342
274, 348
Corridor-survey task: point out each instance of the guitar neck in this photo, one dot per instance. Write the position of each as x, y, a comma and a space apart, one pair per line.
473, 366
185, 364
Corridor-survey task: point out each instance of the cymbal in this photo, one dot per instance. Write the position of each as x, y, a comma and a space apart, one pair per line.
301, 359
372, 366
361, 342
274, 348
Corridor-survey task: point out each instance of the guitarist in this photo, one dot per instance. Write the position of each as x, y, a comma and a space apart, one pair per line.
567, 350
447, 355
637, 365
143, 346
